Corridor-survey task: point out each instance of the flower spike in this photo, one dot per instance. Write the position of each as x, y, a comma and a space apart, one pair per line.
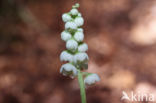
75, 57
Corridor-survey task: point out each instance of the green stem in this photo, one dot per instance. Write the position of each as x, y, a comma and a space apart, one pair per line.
82, 87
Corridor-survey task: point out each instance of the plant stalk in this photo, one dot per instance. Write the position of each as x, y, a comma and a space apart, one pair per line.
82, 87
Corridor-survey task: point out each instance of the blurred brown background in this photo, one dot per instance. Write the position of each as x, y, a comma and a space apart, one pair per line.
121, 35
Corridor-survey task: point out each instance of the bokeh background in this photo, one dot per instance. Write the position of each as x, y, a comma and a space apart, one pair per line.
121, 35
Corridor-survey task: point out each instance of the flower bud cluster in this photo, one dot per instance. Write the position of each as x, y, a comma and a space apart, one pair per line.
75, 56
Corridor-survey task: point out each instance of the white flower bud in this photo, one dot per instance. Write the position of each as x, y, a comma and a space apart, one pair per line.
79, 14
70, 25
80, 29
66, 17
83, 47
65, 56
79, 21
65, 36
81, 58
91, 79
74, 11
79, 36
69, 70
76, 5
71, 45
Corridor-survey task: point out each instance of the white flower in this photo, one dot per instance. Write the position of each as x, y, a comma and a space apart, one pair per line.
65, 36
91, 79
66, 17
65, 56
79, 21
81, 58
74, 11
71, 44
68, 70
83, 47
70, 25
79, 36
80, 29
79, 14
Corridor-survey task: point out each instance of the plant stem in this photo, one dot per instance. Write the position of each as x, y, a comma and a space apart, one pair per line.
82, 87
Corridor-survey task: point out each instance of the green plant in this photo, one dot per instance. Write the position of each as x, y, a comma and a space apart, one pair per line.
75, 54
